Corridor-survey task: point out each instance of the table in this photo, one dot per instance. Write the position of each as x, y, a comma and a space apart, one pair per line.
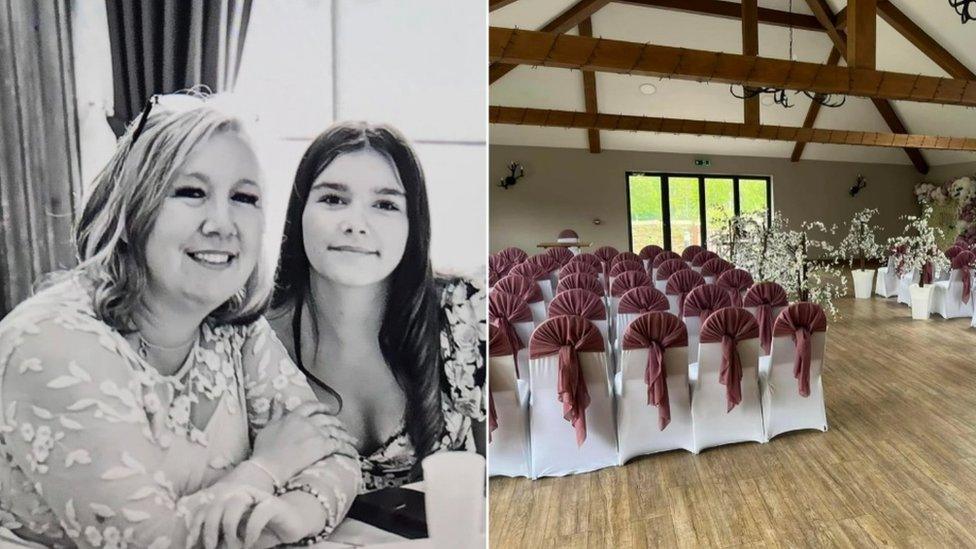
355, 533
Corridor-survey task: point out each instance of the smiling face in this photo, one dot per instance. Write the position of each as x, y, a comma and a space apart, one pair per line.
355, 224
206, 239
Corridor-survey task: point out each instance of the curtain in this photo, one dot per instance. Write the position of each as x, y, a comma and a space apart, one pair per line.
162, 46
40, 178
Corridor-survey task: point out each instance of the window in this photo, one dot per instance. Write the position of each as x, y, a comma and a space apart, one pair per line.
677, 210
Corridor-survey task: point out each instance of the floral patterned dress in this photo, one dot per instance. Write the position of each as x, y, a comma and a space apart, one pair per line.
463, 336
98, 449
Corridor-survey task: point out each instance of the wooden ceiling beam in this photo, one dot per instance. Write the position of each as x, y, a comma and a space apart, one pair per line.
821, 10
925, 43
814, 110
884, 107
862, 31
515, 46
750, 46
732, 10
496, 4
619, 122
589, 91
563, 22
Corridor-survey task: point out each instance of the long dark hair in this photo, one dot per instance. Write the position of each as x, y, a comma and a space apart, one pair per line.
409, 334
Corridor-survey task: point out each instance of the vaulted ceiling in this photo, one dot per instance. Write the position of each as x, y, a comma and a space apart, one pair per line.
562, 89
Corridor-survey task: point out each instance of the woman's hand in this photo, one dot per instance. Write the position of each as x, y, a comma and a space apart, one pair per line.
283, 520
291, 442
224, 513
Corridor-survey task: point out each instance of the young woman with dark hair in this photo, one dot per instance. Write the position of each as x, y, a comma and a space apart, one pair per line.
398, 349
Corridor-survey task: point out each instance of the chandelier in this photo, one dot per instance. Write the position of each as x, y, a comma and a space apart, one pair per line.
779, 94
965, 8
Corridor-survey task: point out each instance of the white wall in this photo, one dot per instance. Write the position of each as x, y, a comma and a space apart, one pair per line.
308, 63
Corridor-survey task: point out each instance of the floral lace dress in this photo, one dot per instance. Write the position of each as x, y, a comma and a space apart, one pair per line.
462, 386
98, 449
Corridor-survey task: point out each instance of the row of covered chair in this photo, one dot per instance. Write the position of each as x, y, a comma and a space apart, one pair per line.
951, 291
563, 411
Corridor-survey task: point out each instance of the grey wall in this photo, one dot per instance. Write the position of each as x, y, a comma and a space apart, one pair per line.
939, 174
568, 188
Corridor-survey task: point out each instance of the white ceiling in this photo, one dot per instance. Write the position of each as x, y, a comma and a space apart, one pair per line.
542, 87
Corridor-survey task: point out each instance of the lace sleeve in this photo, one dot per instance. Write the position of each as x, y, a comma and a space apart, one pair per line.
270, 375
74, 422
463, 346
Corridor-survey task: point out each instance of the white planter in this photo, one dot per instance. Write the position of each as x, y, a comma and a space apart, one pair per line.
863, 280
921, 298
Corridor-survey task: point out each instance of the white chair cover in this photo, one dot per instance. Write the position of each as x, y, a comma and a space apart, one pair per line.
555, 451
509, 451
782, 406
886, 281
713, 424
904, 281
947, 297
637, 422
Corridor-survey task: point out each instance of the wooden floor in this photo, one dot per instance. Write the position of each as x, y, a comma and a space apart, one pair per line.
897, 466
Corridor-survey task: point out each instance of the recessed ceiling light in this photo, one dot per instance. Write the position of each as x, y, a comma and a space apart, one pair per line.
648, 89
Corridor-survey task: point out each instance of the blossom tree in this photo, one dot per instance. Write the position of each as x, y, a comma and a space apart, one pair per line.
860, 244
920, 248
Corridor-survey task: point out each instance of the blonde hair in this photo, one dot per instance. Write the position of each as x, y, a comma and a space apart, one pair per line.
122, 204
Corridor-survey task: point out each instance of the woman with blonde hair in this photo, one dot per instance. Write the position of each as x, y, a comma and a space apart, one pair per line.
144, 401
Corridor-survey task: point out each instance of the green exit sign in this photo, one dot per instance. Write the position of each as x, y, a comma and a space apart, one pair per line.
703, 162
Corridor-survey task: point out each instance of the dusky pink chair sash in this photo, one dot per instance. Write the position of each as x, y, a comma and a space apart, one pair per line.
715, 267
669, 267
545, 261
628, 280
729, 326
589, 259
642, 299
702, 256
518, 285
577, 302
505, 310
625, 256
662, 257
625, 265
650, 251
703, 300
964, 262
682, 282
953, 251
606, 254
499, 264
530, 270
581, 281
493, 277
656, 332
568, 336
928, 273
800, 321
560, 254
690, 252
498, 345
961, 242
735, 281
764, 296
574, 267
513, 255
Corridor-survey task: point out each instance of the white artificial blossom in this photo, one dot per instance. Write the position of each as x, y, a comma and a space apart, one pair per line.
919, 246
860, 244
